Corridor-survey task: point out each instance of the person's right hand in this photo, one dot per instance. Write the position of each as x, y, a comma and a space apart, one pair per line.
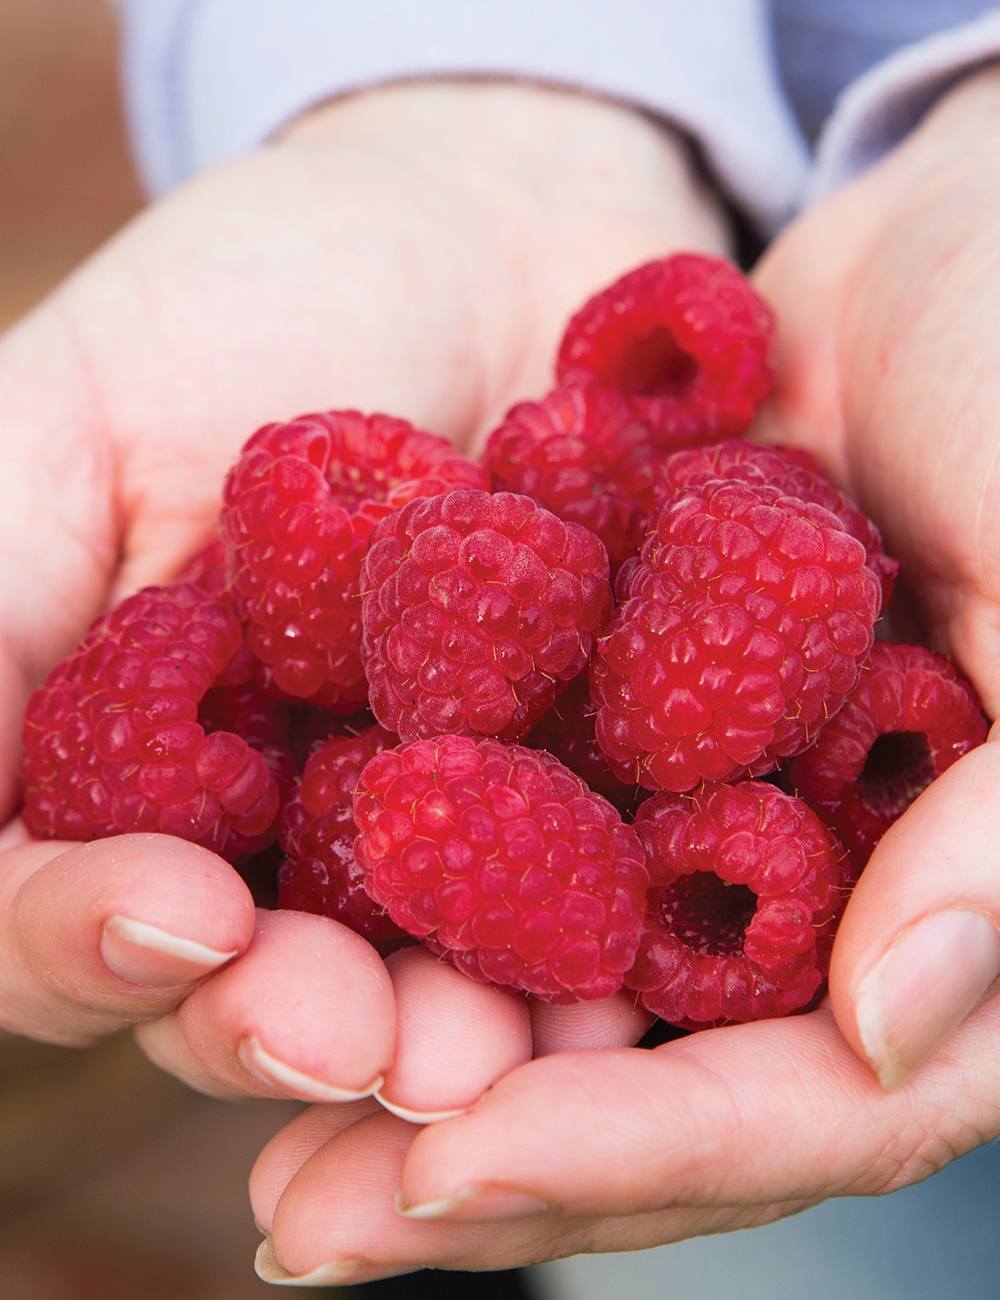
888, 303
414, 250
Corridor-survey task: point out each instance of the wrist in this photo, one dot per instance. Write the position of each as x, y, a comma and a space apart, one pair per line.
560, 142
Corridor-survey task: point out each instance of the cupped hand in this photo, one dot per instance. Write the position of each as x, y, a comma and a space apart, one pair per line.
888, 357
414, 250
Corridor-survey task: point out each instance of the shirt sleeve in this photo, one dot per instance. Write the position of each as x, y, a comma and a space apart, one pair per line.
883, 106
207, 80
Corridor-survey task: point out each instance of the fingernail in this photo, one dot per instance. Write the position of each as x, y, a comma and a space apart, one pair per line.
145, 954
922, 990
418, 1116
270, 1269
476, 1203
267, 1069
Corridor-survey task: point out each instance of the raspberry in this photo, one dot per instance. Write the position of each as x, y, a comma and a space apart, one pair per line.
686, 339
317, 832
742, 630
475, 608
299, 507
792, 470
112, 743
746, 888
908, 719
501, 860
567, 733
583, 454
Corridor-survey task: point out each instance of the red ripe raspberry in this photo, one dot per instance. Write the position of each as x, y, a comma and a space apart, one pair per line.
686, 339
746, 887
567, 733
501, 860
742, 630
112, 742
299, 507
317, 832
583, 454
475, 608
795, 472
908, 719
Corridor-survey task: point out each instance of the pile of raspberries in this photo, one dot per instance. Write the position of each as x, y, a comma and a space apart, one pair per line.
413, 674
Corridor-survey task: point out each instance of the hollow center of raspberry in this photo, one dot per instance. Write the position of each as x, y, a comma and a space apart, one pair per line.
654, 366
351, 484
709, 915
899, 766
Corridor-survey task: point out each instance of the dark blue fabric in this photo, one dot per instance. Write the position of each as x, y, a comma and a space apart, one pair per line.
823, 45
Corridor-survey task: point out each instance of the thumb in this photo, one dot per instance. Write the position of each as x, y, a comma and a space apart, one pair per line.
919, 946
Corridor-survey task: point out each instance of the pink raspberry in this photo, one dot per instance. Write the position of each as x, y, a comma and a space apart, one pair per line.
476, 608
584, 454
743, 626
686, 339
318, 832
746, 888
907, 720
501, 860
795, 472
299, 508
112, 741
567, 733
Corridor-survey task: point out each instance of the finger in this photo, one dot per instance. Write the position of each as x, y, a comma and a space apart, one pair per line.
919, 945
306, 1012
290, 1148
454, 1038
763, 1113
618, 1021
102, 935
336, 1221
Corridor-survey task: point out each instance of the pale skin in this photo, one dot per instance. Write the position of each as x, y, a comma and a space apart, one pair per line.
484, 214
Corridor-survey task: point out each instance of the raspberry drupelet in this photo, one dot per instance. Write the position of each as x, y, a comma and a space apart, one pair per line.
794, 471
501, 860
746, 888
476, 608
909, 718
112, 741
742, 628
686, 339
299, 508
318, 831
